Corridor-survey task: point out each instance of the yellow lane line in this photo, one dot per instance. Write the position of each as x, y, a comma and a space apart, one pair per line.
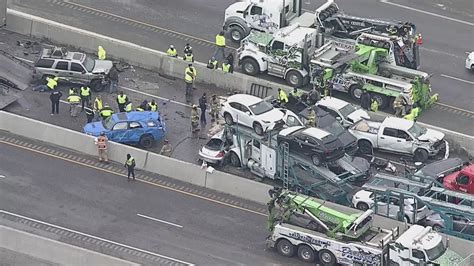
141, 180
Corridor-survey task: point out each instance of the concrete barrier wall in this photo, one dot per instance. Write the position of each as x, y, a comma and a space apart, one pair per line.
132, 53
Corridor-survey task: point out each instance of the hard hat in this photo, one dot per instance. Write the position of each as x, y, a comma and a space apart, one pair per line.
194, 106
166, 140
172, 46
213, 58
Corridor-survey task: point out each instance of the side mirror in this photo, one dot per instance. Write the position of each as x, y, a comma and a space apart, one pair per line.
248, 113
83, 72
338, 118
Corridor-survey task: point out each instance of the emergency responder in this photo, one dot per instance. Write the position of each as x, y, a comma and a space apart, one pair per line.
314, 96
212, 64
85, 96
51, 83
128, 107
413, 114
55, 97
130, 165
74, 100
226, 66
189, 77
365, 100
188, 57
71, 91
187, 49
172, 51
113, 77
143, 106
98, 104
230, 61
194, 121
296, 94
122, 99
399, 105
102, 146
282, 98
90, 114
215, 108
219, 54
311, 117
101, 54
153, 106
203, 107
374, 105
106, 112
166, 150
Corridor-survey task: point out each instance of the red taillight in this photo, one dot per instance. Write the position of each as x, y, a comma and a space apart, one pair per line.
220, 154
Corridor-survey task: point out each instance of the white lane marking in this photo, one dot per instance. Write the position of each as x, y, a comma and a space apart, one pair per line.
2, 176
441, 52
24, 59
154, 96
96, 237
158, 220
427, 13
458, 79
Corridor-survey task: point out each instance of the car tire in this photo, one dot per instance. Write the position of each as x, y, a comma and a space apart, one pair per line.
236, 34
316, 159
228, 119
326, 257
146, 141
258, 129
234, 159
356, 91
250, 66
285, 248
362, 206
294, 78
382, 100
365, 147
421, 155
306, 253
96, 85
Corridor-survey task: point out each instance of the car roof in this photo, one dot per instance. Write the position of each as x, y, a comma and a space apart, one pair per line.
435, 168
398, 123
315, 132
332, 102
244, 99
136, 116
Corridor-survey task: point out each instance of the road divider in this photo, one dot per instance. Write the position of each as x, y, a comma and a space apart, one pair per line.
158, 61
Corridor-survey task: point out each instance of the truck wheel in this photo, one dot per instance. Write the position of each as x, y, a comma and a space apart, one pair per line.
365, 147
316, 159
234, 160
382, 100
228, 119
250, 66
285, 248
362, 206
96, 85
258, 129
294, 78
356, 91
306, 254
421, 155
236, 34
146, 141
326, 257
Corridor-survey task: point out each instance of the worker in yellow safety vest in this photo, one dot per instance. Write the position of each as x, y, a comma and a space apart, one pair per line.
128, 107
153, 106
106, 112
122, 99
172, 51
101, 54
189, 78
226, 67
219, 54
51, 83
188, 57
212, 64
74, 100
282, 98
85, 96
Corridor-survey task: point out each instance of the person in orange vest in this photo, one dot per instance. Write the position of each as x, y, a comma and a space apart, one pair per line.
419, 39
102, 146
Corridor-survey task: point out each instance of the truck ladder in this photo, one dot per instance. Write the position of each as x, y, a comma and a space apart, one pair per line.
286, 159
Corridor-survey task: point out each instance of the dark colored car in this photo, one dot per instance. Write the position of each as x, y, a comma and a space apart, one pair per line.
328, 123
314, 143
438, 170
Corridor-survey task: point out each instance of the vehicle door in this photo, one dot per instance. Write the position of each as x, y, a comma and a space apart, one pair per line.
389, 140
77, 72
61, 69
246, 115
238, 115
405, 142
134, 132
292, 120
254, 16
256, 152
297, 143
118, 132
464, 182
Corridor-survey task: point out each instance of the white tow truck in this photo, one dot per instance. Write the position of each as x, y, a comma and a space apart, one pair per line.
400, 136
303, 225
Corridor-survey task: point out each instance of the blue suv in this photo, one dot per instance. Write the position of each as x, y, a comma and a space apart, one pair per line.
143, 128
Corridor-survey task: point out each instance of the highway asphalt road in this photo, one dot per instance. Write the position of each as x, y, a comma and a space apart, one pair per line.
103, 204
447, 27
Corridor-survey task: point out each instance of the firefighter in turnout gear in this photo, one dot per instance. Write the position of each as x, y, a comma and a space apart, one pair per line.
311, 117
102, 145
194, 121
399, 106
215, 108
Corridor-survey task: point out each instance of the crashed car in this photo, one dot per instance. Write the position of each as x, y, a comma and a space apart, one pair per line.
216, 149
142, 128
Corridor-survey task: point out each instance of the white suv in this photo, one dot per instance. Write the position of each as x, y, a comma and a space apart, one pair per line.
470, 61
414, 211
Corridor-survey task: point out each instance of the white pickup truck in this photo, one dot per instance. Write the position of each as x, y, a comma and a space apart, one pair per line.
399, 135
